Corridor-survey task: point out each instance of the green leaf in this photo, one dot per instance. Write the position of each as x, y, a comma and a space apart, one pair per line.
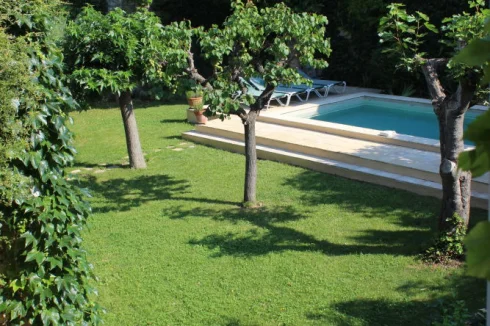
50, 317
35, 255
478, 254
16, 285
475, 54
55, 262
29, 238
477, 161
431, 27
423, 16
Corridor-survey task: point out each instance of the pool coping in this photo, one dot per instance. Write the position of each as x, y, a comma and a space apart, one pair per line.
283, 116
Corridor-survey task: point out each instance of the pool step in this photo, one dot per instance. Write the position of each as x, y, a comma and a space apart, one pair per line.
383, 157
351, 171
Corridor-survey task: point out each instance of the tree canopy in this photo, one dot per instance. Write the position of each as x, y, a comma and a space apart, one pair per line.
267, 43
120, 51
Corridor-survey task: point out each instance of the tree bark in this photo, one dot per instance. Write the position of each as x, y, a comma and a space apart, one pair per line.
136, 158
456, 184
250, 189
450, 112
248, 121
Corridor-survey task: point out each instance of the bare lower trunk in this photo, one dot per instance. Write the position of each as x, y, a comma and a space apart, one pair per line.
456, 184
450, 111
248, 121
136, 158
250, 159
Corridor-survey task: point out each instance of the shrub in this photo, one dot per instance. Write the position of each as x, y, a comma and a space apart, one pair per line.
448, 244
44, 275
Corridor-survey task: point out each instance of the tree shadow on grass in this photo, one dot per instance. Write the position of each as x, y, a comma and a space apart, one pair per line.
173, 137
457, 287
413, 215
375, 312
101, 166
174, 120
372, 201
124, 194
407, 312
271, 234
235, 322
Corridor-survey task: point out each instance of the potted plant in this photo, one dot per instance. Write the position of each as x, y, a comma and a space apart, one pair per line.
199, 113
194, 97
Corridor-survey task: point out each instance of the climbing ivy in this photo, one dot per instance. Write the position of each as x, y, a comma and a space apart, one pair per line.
45, 278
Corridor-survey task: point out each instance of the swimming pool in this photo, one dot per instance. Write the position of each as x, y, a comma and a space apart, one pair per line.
396, 120
413, 119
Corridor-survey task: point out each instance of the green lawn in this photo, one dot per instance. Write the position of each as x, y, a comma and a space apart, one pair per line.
172, 247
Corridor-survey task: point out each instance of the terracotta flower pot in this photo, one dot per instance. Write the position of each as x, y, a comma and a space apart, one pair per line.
194, 101
200, 117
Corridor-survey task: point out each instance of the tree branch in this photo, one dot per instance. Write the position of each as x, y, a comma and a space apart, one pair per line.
257, 64
194, 74
263, 98
437, 93
243, 115
465, 93
259, 104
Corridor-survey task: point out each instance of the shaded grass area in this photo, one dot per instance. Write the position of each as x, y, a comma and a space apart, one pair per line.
172, 246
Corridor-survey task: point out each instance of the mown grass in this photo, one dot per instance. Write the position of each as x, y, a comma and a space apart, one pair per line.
172, 247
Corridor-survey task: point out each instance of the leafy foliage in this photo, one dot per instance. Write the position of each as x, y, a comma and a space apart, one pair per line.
262, 43
477, 160
120, 51
449, 243
45, 277
453, 313
13, 72
478, 242
406, 33
353, 30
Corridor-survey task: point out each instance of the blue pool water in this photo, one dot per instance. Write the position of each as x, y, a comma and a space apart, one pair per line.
404, 118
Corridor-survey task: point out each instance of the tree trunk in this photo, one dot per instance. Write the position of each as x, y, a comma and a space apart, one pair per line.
456, 184
249, 197
248, 121
450, 112
136, 158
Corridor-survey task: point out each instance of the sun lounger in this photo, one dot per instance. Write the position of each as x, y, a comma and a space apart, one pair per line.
328, 84
282, 99
301, 94
318, 90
